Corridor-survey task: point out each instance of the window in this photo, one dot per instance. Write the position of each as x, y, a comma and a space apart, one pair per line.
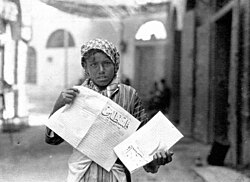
151, 30
58, 38
31, 66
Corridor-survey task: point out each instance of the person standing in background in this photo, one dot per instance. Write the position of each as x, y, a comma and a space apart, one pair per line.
165, 96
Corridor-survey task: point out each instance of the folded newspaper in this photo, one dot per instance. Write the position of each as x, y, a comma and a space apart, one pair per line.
138, 149
94, 125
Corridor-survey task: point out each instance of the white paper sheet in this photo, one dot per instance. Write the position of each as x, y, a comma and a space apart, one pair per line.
138, 149
94, 125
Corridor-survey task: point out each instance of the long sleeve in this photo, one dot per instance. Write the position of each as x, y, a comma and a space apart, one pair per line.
128, 98
50, 136
139, 111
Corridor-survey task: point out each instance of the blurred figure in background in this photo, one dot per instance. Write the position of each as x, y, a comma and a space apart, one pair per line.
165, 97
155, 96
154, 100
126, 81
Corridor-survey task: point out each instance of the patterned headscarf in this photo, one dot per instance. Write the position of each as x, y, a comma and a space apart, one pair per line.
105, 46
110, 50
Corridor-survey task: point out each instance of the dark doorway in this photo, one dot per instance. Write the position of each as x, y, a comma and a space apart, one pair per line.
221, 64
220, 88
176, 68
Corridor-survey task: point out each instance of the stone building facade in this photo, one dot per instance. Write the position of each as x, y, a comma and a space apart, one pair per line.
214, 75
13, 46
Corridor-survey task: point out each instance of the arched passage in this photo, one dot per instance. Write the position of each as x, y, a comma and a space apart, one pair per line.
150, 41
151, 30
60, 38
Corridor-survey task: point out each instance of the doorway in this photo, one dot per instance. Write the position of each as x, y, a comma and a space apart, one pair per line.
144, 69
220, 77
149, 66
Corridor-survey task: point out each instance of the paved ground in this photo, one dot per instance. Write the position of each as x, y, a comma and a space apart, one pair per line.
24, 156
179, 170
29, 159
220, 174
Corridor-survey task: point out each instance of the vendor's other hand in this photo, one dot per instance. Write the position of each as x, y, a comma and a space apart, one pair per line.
69, 95
162, 157
159, 158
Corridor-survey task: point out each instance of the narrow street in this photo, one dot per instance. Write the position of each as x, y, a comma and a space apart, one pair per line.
29, 158
190, 58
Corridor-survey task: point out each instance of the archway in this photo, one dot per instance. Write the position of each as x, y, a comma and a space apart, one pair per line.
59, 39
151, 30
150, 41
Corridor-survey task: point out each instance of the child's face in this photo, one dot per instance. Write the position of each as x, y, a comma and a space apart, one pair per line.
100, 69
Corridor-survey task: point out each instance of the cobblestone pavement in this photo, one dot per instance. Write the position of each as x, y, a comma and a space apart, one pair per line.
28, 158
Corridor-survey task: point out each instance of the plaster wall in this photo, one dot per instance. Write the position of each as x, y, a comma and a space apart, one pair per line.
131, 28
51, 62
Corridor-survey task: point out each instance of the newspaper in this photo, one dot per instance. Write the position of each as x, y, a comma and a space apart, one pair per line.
138, 149
94, 125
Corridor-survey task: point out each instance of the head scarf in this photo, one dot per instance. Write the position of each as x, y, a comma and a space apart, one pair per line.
105, 46
110, 50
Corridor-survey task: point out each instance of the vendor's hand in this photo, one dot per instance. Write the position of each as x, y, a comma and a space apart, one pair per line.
69, 95
66, 97
160, 158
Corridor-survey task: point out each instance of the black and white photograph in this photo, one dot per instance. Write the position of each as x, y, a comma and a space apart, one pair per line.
124, 91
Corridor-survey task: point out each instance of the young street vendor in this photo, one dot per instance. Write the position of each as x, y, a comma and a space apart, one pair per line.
100, 61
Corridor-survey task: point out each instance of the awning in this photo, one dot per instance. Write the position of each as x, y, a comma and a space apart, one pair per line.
108, 8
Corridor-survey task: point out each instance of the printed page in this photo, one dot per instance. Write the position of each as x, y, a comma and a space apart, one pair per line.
112, 126
69, 125
138, 149
94, 125
73, 121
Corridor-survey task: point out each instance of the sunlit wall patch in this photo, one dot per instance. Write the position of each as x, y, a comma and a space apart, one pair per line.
151, 29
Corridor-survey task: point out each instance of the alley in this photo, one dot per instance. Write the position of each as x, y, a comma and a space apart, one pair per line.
29, 158
188, 58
